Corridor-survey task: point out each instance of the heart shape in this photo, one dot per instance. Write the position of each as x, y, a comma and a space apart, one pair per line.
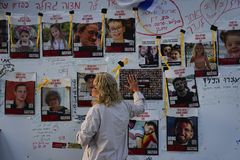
212, 10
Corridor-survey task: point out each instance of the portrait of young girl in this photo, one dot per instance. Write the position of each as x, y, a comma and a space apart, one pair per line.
24, 39
57, 39
229, 44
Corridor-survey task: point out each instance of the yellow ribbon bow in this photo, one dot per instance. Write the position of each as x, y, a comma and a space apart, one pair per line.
121, 64
43, 83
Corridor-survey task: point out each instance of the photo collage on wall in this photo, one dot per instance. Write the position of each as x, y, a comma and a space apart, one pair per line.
120, 31
85, 77
148, 55
149, 81
182, 88
200, 54
171, 51
55, 100
55, 33
182, 129
20, 93
229, 42
87, 35
23, 36
3, 35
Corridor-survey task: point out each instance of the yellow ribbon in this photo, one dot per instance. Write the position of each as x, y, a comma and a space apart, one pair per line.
116, 70
39, 27
140, 23
102, 29
70, 31
166, 98
214, 45
11, 28
182, 46
160, 53
43, 83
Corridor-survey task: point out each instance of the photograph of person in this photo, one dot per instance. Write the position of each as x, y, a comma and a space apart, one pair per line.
229, 52
180, 94
55, 104
24, 42
87, 34
55, 36
166, 49
175, 55
172, 54
87, 38
3, 36
85, 85
143, 135
120, 35
148, 56
24, 39
57, 39
182, 134
88, 78
21, 98
201, 56
154, 57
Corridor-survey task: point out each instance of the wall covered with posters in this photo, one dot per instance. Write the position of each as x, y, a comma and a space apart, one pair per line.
52, 49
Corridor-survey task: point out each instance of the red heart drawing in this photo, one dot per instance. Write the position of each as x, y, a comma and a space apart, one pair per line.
212, 10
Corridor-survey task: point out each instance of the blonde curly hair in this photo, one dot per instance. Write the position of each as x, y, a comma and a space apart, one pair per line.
107, 87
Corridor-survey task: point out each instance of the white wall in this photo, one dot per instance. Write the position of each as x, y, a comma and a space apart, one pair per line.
27, 138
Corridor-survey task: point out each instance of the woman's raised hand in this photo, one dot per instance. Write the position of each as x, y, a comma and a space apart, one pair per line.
133, 84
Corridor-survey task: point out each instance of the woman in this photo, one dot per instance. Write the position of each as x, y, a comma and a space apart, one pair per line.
103, 134
53, 100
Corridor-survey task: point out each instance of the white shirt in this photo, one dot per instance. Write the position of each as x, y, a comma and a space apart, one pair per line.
104, 132
57, 45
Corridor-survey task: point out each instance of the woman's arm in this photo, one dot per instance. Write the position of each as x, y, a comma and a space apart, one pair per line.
139, 102
89, 127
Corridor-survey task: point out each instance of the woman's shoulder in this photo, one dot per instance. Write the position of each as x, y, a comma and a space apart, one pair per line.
99, 106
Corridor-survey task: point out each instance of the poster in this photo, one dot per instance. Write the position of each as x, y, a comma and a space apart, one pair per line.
143, 133
182, 88
87, 35
148, 55
55, 33
171, 51
143, 137
182, 129
55, 100
23, 36
85, 77
149, 81
200, 53
20, 93
229, 42
120, 31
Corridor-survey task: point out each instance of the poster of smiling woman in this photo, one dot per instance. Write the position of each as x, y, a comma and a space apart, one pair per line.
87, 39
